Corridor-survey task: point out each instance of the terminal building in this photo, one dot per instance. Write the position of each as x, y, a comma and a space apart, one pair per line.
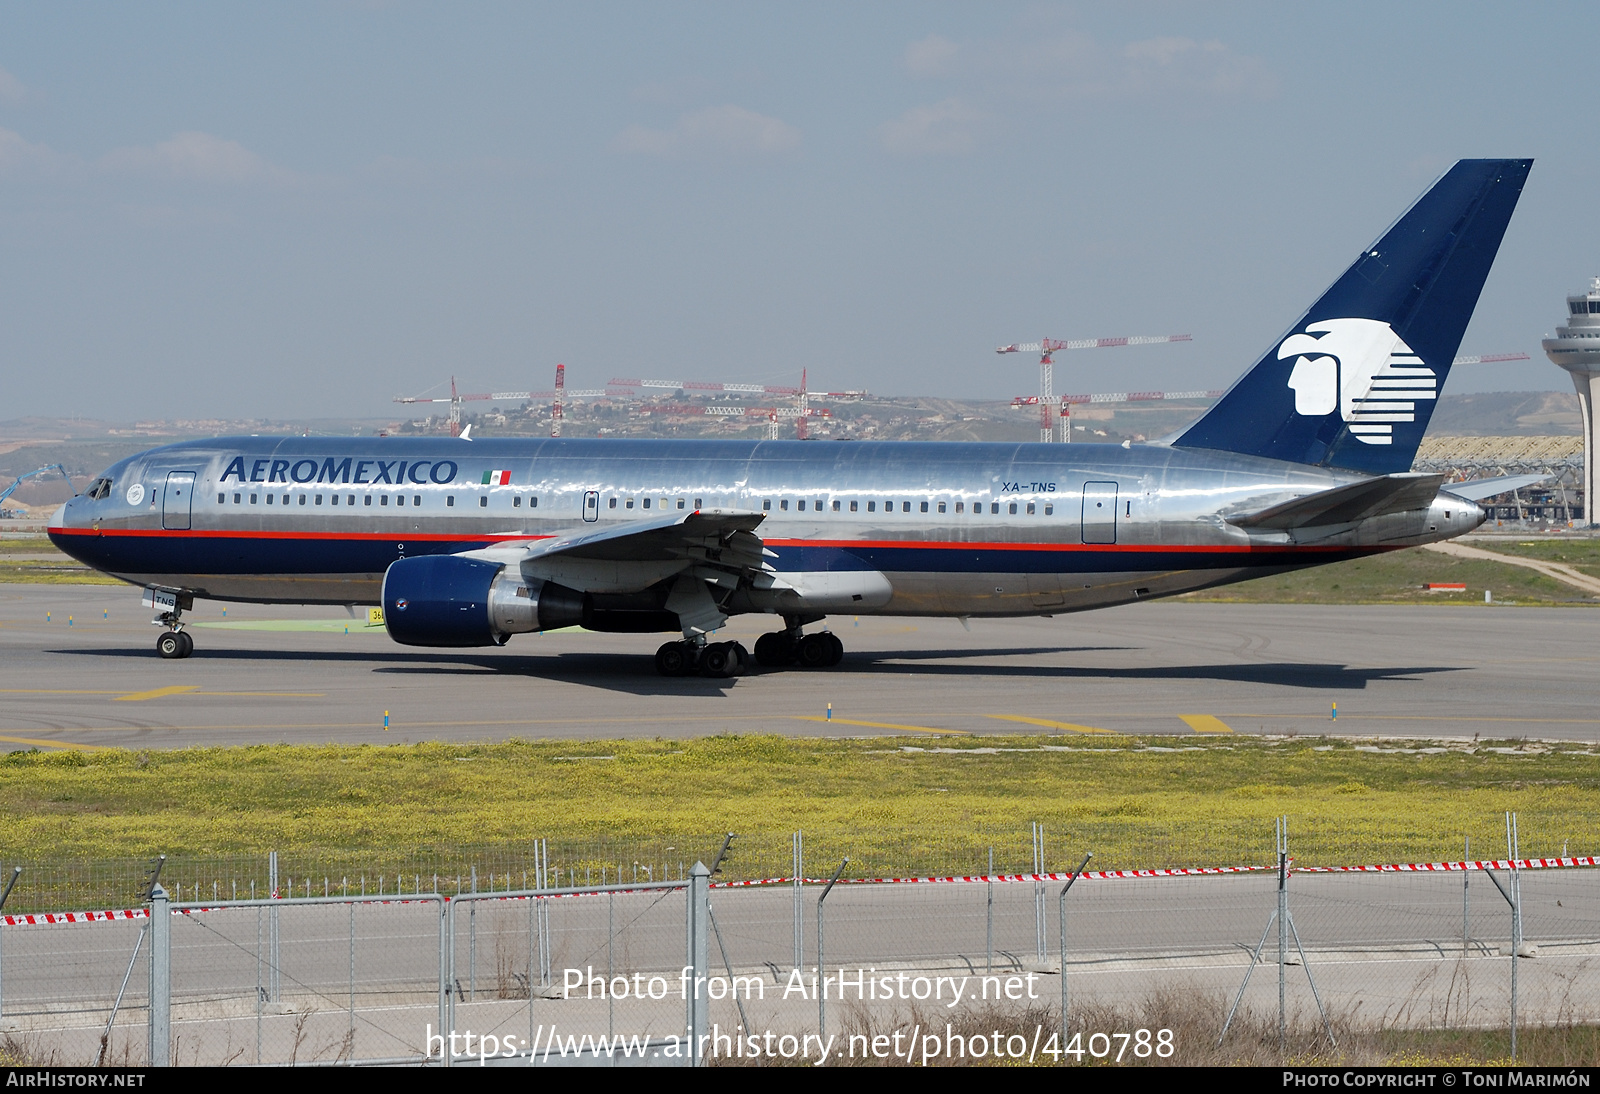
1576, 348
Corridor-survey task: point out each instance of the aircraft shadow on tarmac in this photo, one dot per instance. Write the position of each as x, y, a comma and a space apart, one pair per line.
635, 673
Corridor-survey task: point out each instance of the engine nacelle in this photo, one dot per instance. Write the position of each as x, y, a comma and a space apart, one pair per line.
446, 600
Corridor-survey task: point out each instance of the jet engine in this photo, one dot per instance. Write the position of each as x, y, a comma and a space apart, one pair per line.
446, 600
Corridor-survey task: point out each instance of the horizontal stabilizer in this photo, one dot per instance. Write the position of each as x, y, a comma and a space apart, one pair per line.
1478, 489
1347, 504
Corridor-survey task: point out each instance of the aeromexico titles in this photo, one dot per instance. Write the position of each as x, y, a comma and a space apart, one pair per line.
1305, 460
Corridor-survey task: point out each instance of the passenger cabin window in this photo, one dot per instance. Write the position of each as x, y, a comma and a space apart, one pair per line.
801, 505
1030, 508
872, 507
613, 503
1013, 508
516, 503
852, 506
221, 498
836, 506
368, 500
905, 507
384, 500
533, 502
416, 499
647, 503
925, 507
334, 500
961, 507
941, 507
698, 504
236, 499
399, 499
252, 499
784, 505
994, 508
766, 505
270, 498
302, 499
319, 499
483, 502
449, 501
680, 503
1049, 509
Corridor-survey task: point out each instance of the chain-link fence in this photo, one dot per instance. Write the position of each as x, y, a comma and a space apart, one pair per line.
668, 971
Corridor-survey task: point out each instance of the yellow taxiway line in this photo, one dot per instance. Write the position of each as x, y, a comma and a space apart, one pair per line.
881, 725
1070, 727
156, 693
54, 744
1206, 723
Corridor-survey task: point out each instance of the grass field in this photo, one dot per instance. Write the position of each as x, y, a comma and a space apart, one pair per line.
1580, 554
1398, 578
892, 808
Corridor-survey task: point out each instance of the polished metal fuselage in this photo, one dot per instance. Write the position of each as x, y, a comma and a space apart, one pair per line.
898, 528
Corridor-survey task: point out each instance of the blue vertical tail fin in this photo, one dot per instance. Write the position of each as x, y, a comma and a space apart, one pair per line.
1353, 383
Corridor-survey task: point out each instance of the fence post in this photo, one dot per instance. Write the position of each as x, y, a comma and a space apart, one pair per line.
822, 972
1061, 903
1283, 933
799, 916
447, 972
472, 941
988, 936
699, 955
16, 872
274, 983
160, 999
1466, 938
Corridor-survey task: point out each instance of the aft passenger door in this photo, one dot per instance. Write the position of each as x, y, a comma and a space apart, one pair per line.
1099, 512
177, 500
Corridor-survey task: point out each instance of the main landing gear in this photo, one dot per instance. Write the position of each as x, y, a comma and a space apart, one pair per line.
822, 650
718, 660
174, 642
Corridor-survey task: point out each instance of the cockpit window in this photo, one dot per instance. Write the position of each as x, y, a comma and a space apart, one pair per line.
98, 490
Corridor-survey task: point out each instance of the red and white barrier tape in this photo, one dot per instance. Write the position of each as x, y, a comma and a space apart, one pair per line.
49, 918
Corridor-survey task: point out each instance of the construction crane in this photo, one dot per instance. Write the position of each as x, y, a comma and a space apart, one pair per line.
45, 470
456, 399
1046, 348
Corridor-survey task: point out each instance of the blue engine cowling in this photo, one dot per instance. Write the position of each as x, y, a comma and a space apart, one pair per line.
439, 600
447, 600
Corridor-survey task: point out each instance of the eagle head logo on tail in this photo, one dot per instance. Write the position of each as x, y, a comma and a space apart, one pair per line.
1360, 368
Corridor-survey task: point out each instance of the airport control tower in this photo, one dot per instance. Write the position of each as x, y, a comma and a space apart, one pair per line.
1576, 348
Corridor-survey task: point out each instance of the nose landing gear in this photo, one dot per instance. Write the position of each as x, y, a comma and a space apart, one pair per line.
174, 642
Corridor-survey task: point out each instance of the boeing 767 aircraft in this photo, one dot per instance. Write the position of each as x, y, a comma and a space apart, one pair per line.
1306, 460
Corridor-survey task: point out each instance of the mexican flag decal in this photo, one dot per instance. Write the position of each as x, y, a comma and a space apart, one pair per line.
497, 478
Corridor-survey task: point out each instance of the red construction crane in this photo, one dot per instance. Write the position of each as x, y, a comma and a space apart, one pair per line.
1047, 348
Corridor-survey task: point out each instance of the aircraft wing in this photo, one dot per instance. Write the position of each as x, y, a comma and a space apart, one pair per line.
1347, 504
1478, 489
715, 546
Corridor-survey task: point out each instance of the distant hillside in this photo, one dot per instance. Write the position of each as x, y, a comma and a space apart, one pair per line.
1507, 414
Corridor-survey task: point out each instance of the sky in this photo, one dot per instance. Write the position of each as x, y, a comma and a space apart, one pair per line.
305, 209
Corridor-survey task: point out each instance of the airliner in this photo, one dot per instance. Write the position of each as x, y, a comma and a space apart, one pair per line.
465, 542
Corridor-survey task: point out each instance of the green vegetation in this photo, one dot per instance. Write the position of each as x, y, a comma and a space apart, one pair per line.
935, 806
1582, 555
29, 545
1398, 578
50, 572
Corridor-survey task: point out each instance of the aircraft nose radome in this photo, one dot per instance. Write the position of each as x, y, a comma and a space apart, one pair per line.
58, 519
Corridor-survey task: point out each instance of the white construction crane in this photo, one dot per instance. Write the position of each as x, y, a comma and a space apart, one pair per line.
1046, 348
